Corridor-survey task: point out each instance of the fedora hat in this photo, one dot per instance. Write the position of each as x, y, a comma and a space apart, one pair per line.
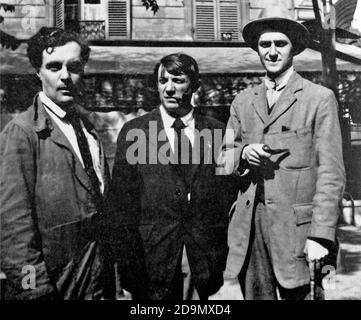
278, 19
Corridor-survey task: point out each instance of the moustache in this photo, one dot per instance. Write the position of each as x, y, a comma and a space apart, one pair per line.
68, 88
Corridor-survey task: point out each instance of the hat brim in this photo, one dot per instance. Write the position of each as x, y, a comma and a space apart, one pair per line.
296, 32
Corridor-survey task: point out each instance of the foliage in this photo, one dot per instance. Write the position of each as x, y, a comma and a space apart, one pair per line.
7, 40
151, 4
6, 7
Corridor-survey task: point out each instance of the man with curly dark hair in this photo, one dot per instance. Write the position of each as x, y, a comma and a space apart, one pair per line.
53, 175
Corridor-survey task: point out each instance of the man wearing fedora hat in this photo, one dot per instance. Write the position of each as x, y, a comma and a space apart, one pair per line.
284, 142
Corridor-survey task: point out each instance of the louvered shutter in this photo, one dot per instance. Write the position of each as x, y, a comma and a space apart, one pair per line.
215, 17
229, 18
59, 13
118, 19
205, 20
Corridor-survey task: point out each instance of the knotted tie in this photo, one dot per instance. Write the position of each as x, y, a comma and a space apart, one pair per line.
271, 94
183, 146
74, 120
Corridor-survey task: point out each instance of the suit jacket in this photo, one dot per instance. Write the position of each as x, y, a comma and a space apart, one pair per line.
154, 216
303, 184
48, 213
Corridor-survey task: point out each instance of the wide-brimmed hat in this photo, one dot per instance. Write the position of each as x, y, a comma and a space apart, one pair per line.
276, 18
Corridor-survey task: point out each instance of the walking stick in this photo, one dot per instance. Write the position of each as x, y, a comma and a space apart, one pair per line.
311, 267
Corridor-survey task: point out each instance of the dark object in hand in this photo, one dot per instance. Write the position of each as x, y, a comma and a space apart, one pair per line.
268, 149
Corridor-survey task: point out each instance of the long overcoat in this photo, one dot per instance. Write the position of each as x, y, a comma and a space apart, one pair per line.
303, 182
49, 229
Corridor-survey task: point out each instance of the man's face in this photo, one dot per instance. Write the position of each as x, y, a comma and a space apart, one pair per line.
175, 92
60, 73
275, 52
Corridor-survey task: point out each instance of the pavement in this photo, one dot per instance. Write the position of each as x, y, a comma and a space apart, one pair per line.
345, 283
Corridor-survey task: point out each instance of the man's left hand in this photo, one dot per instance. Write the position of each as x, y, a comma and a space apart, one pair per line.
314, 251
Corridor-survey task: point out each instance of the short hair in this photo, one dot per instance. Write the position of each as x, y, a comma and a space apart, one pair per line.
49, 38
180, 63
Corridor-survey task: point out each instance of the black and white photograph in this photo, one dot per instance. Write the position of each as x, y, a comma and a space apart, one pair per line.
187, 152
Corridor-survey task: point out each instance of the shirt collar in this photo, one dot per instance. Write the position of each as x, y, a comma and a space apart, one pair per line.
168, 120
52, 106
281, 80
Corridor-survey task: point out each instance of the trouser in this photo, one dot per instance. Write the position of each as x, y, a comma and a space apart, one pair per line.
257, 278
183, 286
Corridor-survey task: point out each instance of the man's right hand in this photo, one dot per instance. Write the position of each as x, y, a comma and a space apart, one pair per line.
255, 154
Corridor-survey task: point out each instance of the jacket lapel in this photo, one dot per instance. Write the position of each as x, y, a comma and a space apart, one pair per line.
198, 150
157, 140
43, 123
286, 99
260, 102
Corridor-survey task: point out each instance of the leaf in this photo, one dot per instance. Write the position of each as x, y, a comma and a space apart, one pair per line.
7, 7
9, 41
152, 4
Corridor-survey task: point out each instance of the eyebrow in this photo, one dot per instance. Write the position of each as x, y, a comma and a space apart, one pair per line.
277, 42
53, 64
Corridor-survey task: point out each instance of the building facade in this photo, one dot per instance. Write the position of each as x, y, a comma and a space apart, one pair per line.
176, 20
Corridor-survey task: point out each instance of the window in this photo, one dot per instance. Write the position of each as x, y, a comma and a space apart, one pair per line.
217, 20
59, 13
95, 19
66, 14
118, 22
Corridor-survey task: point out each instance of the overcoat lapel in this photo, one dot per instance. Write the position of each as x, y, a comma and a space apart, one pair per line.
260, 102
44, 122
287, 99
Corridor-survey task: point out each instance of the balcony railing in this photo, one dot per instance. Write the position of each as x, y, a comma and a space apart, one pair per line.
92, 29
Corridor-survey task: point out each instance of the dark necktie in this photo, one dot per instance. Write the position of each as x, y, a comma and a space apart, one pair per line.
182, 146
271, 94
86, 156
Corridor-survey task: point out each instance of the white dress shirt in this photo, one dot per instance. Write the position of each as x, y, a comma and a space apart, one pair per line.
57, 115
275, 86
168, 121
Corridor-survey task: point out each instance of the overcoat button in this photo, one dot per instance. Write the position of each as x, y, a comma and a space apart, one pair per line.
248, 203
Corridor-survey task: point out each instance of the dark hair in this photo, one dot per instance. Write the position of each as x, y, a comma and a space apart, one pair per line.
49, 38
180, 63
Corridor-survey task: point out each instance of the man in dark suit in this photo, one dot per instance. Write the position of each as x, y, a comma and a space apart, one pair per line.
169, 203
284, 142
52, 176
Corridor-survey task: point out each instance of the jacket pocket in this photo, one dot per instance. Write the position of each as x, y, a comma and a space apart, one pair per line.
303, 218
299, 145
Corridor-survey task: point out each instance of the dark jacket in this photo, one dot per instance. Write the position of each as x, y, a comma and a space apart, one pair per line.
153, 214
48, 213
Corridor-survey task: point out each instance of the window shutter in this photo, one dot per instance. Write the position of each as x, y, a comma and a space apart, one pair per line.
205, 20
59, 13
229, 18
216, 17
118, 19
